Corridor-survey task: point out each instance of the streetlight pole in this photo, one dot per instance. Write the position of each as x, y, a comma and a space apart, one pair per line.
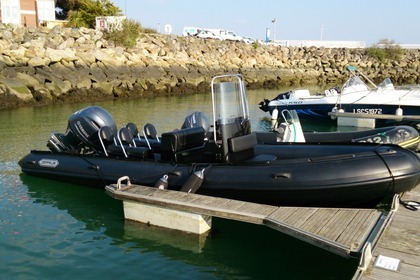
274, 29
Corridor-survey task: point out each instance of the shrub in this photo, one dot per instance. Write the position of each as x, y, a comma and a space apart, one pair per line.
149, 30
385, 50
255, 44
126, 36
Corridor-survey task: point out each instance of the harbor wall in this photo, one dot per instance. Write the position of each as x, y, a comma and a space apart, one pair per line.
40, 66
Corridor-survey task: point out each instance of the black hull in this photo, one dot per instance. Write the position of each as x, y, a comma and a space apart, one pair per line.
404, 136
331, 175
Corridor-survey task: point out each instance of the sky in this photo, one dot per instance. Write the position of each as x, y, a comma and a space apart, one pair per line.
336, 20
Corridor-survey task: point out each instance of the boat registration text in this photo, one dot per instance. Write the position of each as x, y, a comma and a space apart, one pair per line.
368, 111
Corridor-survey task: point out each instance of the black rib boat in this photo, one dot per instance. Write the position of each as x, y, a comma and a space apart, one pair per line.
224, 159
290, 130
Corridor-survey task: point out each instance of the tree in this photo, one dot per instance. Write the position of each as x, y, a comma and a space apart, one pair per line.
82, 13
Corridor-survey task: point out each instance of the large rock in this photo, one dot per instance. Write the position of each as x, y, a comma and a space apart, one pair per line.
58, 87
27, 80
106, 88
38, 61
17, 88
57, 55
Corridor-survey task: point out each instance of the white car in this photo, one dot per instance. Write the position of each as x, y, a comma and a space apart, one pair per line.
249, 40
230, 35
190, 31
207, 34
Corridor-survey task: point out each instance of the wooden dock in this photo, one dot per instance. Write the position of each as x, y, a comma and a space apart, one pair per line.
342, 231
397, 254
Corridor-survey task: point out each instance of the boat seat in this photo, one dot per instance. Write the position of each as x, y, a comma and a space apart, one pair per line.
127, 143
150, 135
241, 148
154, 144
184, 145
109, 143
145, 142
106, 137
140, 152
125, 146
133, 130
150, 132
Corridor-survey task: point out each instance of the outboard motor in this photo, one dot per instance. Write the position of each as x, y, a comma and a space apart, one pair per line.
83, 127
85, 124
197, 119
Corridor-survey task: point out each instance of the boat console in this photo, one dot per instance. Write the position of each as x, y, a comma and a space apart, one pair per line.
232, 128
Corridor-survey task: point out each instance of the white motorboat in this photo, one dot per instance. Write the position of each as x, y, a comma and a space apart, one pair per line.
355, 96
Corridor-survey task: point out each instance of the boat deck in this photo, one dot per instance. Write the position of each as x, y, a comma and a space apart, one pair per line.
397, 254
341, 231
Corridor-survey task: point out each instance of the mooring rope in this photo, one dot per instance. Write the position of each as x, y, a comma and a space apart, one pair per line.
410, 204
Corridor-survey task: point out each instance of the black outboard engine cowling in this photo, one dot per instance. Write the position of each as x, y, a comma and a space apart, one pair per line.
85, 124
197, 119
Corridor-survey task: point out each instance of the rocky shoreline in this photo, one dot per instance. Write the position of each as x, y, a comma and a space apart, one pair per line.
40, 66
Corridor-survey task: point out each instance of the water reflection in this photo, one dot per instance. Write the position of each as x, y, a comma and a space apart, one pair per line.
232, 249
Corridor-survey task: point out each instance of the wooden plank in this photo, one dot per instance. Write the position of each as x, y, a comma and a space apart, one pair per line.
357, 230
141, 191
222, 203
402, 240
300, 216
324, 227
352, 229
282, 213
406, 257
409, 273
335, 226
309, 237
319, 219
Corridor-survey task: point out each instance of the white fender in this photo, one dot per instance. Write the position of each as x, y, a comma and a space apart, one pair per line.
274, 118
275, 114
333, 110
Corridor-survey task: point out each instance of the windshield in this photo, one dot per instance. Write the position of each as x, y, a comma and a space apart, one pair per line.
387, 83
355, 80
355, 83
230, 105
228, 102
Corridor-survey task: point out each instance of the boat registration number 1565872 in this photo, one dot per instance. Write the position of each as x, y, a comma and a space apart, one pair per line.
368, 111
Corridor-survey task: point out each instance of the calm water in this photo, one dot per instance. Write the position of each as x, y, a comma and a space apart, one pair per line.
57, 230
